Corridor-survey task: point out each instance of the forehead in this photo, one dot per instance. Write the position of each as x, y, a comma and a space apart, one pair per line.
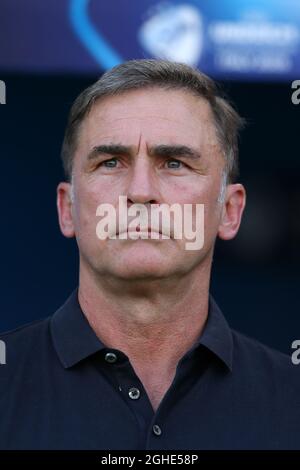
154, 113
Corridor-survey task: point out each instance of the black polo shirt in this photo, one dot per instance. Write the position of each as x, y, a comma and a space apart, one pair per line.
61, 388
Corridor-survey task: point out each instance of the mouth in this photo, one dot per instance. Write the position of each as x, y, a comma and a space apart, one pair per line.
138, 230
149, 230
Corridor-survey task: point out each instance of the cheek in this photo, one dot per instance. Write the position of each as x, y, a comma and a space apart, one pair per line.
192, 192
207, 194
201, 192
212, 215
85, 206
181, 191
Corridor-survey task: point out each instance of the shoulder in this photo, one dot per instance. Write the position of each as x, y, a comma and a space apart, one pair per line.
25, 332
262, 362
24, 346
247, 345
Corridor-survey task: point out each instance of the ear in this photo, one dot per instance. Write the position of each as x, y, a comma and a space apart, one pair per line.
64, 208
232, 212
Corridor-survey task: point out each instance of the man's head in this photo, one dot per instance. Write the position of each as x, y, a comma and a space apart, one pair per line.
156, 132
143, 74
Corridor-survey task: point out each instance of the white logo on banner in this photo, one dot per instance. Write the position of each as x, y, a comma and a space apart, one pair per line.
173, 33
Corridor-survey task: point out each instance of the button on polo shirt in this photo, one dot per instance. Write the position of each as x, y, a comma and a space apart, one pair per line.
111, 357
62, 388
134, 393
156, 430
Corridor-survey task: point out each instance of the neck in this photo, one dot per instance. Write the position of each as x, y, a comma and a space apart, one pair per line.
153, 322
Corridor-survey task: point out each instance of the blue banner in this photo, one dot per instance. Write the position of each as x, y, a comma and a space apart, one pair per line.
233, 39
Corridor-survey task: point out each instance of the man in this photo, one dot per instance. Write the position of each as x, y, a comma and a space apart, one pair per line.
140, 356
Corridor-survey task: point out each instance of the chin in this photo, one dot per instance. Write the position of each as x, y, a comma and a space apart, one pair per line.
135, 270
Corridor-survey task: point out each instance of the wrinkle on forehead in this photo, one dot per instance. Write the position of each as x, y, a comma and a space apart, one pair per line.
139, 117
139, 143
143, 118
144, 99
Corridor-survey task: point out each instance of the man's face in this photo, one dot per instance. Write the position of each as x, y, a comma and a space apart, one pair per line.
143, 121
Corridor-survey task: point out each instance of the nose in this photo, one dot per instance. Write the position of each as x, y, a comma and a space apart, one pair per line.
143, 184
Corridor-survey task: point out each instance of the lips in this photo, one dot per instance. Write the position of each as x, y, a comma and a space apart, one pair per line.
149, 229
138, 229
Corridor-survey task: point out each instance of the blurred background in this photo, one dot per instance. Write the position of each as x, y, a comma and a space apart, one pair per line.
51, 50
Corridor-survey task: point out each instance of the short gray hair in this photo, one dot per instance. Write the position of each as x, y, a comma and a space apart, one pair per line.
151, 73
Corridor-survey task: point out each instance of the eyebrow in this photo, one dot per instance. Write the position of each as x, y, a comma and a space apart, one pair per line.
165, 151
175, 151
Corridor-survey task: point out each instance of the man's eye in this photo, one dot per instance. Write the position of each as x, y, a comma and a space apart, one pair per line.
111, 163
174, 164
